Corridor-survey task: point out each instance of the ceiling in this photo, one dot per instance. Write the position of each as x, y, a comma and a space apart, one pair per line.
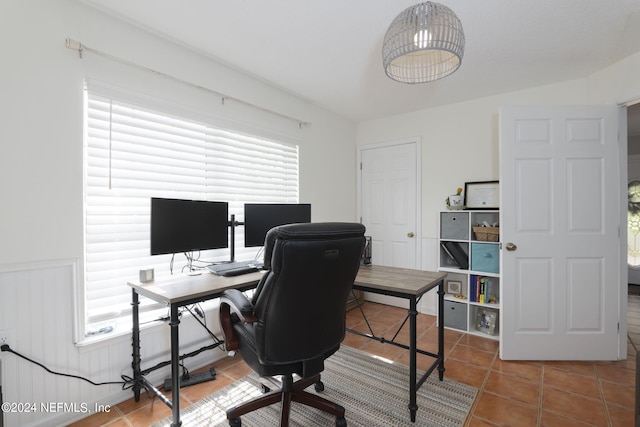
329, 52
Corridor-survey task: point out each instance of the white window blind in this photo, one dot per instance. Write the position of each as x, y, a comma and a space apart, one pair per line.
133, 153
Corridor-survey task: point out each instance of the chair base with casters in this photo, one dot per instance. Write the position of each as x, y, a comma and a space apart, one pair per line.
276, 387
288, 391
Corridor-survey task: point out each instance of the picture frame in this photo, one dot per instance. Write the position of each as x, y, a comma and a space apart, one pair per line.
482, 195
454, 287
486, 321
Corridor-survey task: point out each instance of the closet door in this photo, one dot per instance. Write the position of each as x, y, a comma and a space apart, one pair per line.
388, 196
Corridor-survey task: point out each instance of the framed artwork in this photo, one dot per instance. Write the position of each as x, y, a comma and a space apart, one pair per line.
482, 195
454, 287
486, 321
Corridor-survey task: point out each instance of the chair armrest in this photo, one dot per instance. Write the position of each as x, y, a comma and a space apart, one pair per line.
238, 301
234, 301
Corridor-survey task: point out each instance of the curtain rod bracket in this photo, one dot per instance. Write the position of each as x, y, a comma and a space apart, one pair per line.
75, 45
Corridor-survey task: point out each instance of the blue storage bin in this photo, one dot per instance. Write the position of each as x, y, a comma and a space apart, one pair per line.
485, 257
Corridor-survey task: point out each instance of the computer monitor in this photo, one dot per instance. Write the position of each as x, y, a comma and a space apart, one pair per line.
188, 225
259, 218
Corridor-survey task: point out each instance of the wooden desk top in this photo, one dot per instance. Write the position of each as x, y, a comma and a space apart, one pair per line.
182, 287
374, 278
393, 280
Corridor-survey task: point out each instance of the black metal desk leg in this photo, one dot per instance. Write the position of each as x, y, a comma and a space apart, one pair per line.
135, 344
175, 366
441, 330
413, 312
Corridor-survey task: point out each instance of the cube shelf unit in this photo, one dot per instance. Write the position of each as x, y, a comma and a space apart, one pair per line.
471, 259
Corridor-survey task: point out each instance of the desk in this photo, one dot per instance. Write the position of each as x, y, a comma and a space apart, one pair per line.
411, 285
176, 292
184, 290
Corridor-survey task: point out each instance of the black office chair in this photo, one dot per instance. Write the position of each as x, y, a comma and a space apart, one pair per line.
296, 318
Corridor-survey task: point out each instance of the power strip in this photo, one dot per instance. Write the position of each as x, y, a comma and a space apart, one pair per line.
196, 378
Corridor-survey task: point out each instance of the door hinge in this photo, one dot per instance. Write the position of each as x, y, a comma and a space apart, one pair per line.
360, 165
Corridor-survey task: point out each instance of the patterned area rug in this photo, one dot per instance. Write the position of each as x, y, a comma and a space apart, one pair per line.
373, 392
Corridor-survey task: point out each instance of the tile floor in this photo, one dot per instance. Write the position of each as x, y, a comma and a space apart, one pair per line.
510, 393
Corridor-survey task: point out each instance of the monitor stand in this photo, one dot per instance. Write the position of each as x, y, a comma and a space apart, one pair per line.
232, 236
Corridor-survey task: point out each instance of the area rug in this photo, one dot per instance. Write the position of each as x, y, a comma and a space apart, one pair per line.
373, 392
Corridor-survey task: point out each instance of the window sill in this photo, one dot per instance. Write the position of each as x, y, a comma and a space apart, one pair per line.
122, 327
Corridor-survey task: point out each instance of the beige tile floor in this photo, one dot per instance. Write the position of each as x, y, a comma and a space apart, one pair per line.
510, 393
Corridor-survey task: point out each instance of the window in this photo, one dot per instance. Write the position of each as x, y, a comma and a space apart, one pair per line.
633, 224
133, 153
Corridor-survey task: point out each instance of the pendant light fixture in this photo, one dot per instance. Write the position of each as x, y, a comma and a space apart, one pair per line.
424, 43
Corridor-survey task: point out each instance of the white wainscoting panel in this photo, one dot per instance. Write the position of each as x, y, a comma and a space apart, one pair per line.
37, 307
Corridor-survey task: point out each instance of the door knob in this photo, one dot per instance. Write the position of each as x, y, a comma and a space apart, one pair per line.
511, 246
410, 234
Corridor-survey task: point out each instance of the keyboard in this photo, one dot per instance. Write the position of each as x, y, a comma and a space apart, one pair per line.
235, 268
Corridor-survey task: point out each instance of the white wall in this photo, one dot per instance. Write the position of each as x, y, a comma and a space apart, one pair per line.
617, 84
460, 141
41, 114
41, 222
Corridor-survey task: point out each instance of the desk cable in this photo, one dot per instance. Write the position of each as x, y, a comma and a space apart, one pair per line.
126, 382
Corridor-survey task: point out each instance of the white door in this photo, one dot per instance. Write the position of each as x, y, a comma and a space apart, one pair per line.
388, 206
560, 201
388, 178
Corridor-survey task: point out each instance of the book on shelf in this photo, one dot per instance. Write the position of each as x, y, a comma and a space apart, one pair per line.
483, 289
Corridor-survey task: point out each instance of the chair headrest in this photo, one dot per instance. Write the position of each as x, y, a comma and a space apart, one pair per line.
309, 231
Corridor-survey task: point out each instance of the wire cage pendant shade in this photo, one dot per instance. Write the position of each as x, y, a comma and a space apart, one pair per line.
424, 43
